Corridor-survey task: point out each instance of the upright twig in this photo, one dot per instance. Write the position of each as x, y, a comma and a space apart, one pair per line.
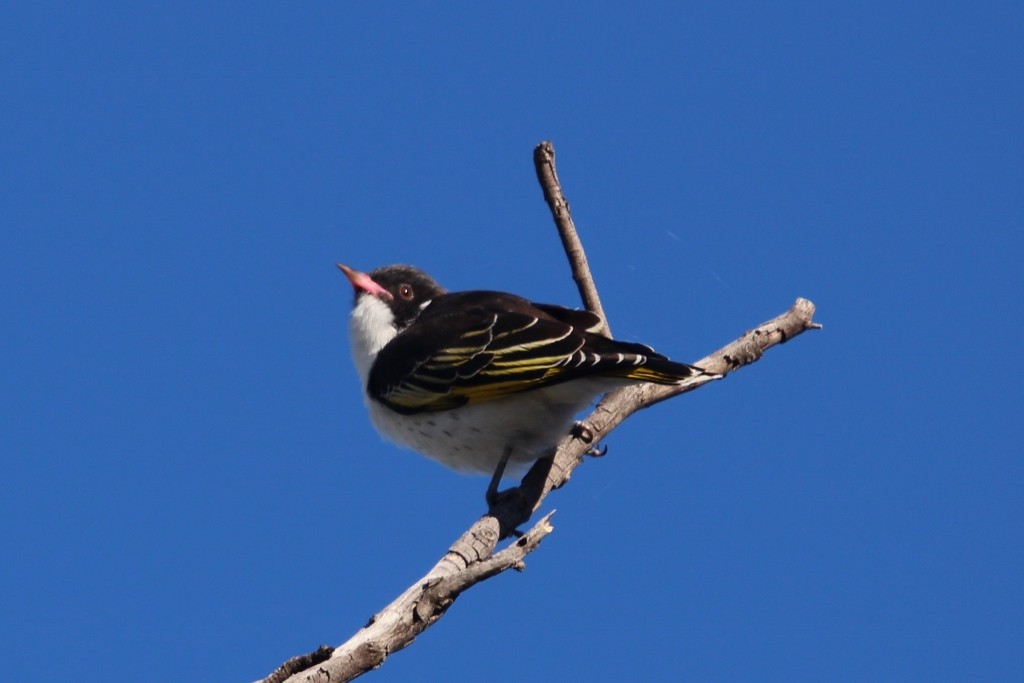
547, 176
472, 558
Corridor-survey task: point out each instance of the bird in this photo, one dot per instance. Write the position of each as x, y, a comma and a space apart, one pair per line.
482, 380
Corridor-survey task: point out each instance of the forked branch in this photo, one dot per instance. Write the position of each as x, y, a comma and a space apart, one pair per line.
472, 558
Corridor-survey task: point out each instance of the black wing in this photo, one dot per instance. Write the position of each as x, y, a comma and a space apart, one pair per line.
471, 347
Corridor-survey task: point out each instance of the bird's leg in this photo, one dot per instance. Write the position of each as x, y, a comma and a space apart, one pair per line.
493, 496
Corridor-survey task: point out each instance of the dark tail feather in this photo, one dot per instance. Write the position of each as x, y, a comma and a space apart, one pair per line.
661, 370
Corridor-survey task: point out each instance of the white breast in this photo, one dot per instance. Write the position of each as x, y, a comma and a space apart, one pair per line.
474, 437
370, 327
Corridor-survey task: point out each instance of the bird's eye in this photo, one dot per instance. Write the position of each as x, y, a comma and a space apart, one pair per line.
405, 291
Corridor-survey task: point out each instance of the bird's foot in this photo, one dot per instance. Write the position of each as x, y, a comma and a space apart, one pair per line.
583, 432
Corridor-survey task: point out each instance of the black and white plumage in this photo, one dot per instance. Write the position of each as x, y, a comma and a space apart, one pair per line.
466, 378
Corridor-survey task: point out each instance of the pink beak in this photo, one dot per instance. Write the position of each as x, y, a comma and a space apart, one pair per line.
363, 282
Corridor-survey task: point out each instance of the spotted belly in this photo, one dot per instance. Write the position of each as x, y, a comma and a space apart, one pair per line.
473, 438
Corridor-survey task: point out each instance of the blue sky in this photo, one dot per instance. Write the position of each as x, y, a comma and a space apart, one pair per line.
191, 486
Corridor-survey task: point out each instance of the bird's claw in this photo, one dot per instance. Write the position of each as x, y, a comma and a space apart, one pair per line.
583, 432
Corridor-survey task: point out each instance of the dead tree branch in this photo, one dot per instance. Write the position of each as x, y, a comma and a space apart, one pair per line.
472, 558
547, 176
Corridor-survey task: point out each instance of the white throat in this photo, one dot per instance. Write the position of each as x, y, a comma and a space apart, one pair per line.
370, 327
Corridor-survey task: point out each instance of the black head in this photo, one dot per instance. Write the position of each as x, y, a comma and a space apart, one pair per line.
404, 288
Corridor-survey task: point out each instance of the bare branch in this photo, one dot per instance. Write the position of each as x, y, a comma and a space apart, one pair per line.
415, 610
300, 663
472, 558
619, 405
547, 176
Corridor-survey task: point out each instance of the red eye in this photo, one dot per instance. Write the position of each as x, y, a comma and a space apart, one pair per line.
405, 291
